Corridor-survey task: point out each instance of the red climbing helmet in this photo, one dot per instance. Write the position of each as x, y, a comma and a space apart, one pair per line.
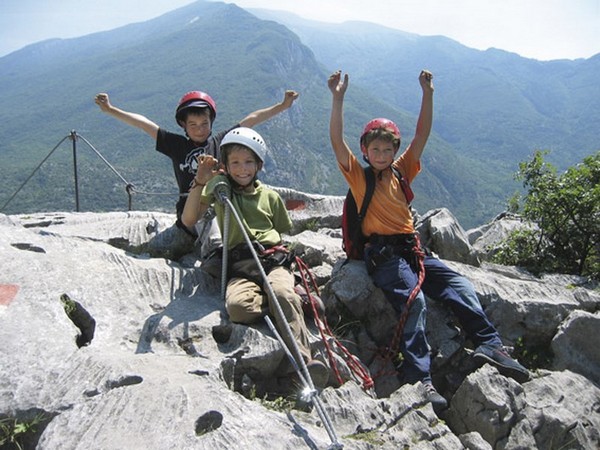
195, 99
380, 122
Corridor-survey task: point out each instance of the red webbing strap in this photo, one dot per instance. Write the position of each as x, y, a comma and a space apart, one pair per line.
275, 248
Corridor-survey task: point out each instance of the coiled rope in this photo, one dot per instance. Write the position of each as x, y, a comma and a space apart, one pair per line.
309, 284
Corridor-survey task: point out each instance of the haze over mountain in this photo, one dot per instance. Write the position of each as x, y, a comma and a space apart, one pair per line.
492, 108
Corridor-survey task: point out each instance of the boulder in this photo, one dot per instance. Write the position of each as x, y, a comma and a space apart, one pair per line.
543, 413
576, 345
487, 239
443, 235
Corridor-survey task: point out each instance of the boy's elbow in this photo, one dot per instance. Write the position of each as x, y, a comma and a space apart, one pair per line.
188, 222
249, 121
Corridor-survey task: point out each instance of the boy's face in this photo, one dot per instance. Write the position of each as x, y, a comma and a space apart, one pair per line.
242, 165
381, 153
198, 127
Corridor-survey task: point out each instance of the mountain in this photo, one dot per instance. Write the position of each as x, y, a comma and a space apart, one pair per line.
245, 63
493, 107
500, 94
48, 90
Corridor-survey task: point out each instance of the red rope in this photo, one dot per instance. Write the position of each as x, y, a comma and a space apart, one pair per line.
275, 248
353, 364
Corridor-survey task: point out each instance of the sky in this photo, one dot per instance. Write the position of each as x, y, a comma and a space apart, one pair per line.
539, 29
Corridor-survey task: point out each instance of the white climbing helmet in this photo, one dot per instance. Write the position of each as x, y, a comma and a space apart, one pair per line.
247, 137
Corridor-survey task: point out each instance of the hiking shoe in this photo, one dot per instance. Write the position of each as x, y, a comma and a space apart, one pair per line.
319, 373
438, 402
497, 357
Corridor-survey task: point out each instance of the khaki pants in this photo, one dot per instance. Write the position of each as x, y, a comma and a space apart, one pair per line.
247, 302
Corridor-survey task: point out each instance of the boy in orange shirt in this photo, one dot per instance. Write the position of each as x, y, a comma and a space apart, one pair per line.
390, 252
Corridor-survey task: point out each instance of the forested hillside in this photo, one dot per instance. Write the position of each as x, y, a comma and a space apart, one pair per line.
492, 108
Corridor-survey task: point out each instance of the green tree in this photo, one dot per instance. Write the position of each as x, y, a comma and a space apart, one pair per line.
565, 211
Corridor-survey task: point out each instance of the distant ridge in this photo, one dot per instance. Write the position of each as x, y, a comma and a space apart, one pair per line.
492, 108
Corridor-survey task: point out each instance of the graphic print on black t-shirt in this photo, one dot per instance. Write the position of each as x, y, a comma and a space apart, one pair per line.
190, 163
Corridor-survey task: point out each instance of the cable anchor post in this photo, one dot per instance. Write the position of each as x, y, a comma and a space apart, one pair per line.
130, 189
73, 137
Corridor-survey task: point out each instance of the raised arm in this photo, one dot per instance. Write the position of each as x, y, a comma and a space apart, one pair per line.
262, 115
133, 119
425, 119
338, 87
194, 208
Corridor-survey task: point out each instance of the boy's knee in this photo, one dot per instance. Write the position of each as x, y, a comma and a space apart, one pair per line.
240, 313
466, 291
418, 305
417, 314
284, 291
463, 283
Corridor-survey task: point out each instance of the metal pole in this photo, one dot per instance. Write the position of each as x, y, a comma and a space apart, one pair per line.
74, 139
129, 190
225, 263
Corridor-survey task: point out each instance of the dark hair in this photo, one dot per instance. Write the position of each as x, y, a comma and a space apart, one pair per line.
380, 133
228, 148
196, 112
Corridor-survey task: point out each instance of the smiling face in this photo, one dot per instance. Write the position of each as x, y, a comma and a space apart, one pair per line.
381, 153
198, 126
242, 165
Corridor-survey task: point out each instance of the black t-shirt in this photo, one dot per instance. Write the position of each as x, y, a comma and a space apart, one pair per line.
183, 152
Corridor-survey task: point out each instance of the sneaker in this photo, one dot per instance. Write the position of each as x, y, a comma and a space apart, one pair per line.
438, 402
497, 357
319, 373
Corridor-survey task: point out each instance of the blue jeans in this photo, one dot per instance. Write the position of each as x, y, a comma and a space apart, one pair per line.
396, 278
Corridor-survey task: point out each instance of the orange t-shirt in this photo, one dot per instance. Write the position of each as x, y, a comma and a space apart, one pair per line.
388, 212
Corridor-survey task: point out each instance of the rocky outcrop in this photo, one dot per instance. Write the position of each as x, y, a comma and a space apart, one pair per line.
485, 239
109, 349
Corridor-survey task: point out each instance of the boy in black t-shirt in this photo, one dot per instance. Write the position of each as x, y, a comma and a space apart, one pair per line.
195, 113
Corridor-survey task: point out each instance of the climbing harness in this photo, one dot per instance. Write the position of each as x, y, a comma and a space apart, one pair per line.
222, 193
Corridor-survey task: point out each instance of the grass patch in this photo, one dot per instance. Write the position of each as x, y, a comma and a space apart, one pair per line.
15, 432
533, 356
371, 437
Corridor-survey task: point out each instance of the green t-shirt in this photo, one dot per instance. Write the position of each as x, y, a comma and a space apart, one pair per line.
262, 212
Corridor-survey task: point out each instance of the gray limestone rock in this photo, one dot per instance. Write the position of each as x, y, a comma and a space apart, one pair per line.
163, 367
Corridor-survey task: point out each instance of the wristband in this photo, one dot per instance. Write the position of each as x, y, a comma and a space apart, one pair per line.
196, 183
